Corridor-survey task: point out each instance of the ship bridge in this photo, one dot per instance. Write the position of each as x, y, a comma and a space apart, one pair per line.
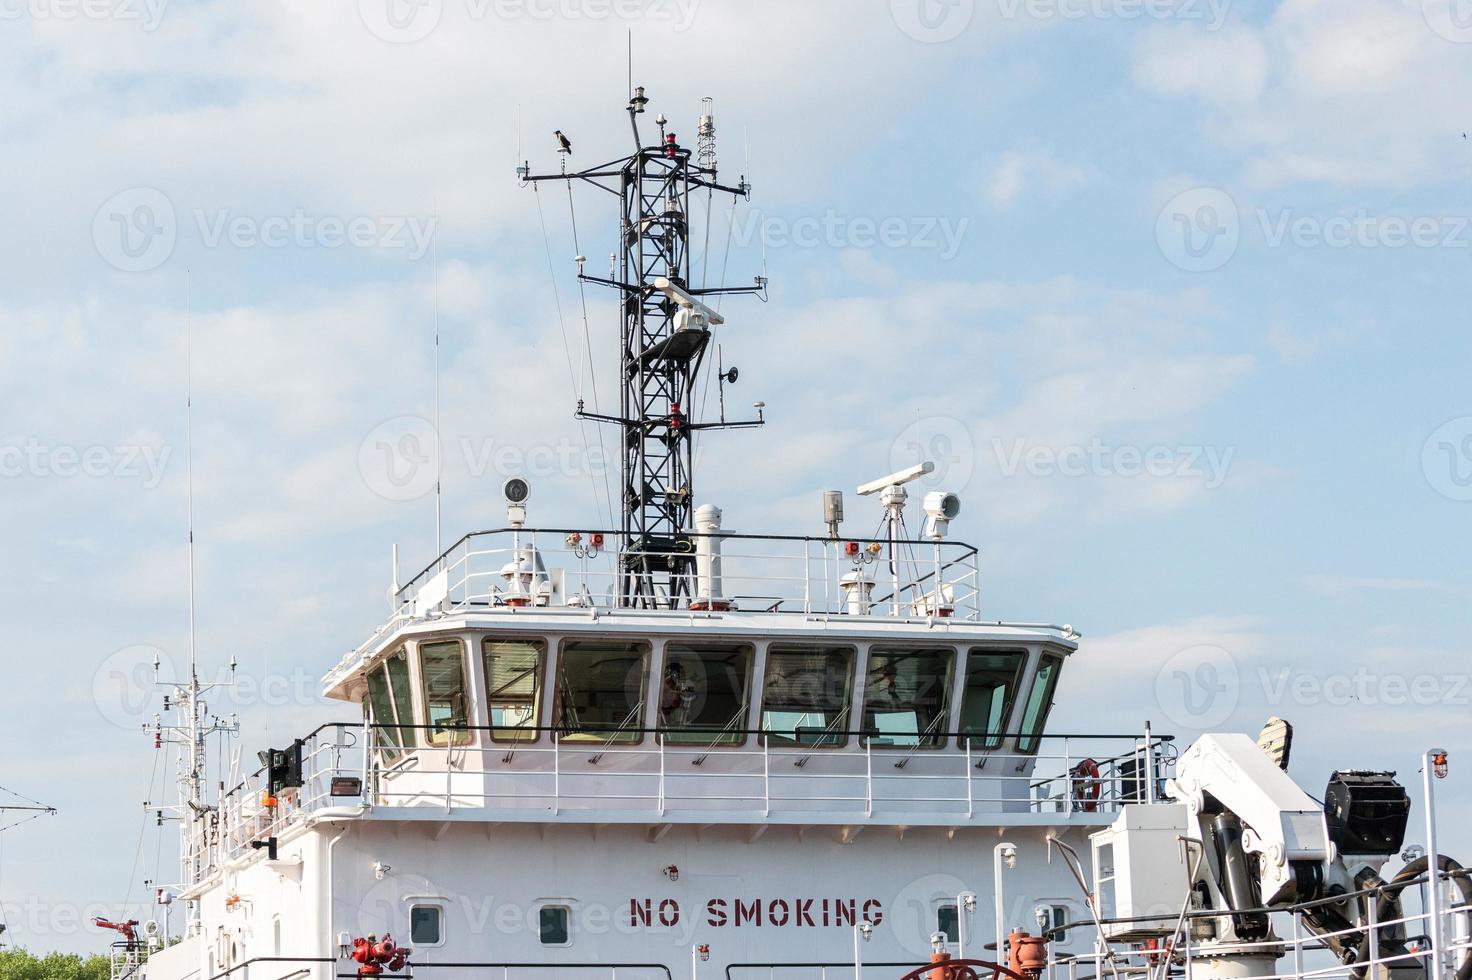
513, 684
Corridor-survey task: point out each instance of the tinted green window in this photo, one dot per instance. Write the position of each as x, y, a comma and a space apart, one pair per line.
600, 690
906, 695
553, 925
704, 693
442, 666
514, 687
425, 925
391, 705
990, 691
806, 695
1039, 702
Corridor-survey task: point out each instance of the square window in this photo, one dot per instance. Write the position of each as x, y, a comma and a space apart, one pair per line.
553, 924
426, 925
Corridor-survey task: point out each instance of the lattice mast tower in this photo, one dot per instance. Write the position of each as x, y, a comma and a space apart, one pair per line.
664, 337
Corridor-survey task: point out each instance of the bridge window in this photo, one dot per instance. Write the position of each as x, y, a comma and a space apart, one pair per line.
1039, 703
948, 922
390, 702
906, 695
600, 690
992, 680
704, 693
806, 697
442, 668
514, 687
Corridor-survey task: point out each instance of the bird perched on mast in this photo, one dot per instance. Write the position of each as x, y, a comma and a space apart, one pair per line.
564, 145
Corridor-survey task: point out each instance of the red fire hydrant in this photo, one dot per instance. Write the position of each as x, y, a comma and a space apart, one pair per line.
374, 956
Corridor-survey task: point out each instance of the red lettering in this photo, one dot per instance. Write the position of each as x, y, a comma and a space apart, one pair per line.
804, 918
640, 914
874, 911
778, 912
669, 912
750, 913
825, 913
845, 912
715, 912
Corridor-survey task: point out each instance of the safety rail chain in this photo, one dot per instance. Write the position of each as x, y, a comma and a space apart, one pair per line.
758, 572
1404, 940
659, 776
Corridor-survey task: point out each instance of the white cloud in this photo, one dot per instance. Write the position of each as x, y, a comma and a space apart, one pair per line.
1226, 67
1017, 173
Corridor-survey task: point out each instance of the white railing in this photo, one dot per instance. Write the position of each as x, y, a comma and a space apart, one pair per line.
1406, 942
669, 774
581, 569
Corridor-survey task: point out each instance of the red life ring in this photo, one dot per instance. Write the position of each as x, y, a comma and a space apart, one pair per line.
1085, 785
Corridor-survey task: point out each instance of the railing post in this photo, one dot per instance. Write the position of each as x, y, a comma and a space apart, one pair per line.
766, 777
556, 775
1149, 764
1372, 906
970, 796
661, 774
869, 778
1297, 945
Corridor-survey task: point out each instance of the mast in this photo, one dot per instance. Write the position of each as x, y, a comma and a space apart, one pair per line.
664, 334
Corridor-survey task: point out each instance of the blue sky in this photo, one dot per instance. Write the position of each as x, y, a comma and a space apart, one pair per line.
1178, 291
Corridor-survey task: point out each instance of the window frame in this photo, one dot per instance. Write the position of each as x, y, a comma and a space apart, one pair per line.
942, 737
993, 742
1029, 740
449, 736
612, 737
779, 648
566, 909
716, 739
439, 907
539, 693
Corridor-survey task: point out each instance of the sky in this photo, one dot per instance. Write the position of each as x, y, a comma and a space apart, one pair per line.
1173, 291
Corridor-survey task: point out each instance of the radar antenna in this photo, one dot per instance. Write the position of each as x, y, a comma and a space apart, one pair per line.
664, 337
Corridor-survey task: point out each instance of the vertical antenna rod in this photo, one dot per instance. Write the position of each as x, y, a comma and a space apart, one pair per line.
439, 446
663, 339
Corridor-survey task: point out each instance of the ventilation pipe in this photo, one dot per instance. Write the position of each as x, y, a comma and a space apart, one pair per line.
708, 560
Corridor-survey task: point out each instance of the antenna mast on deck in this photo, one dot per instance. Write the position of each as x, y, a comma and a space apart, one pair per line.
663, 341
